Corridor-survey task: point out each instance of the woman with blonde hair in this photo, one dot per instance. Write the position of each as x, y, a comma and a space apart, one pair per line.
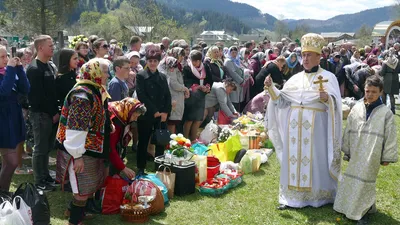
273, 68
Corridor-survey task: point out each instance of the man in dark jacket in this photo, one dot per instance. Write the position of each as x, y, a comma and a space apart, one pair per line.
43, 110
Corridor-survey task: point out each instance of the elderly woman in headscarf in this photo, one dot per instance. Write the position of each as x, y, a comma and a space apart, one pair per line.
293, 66
256, 62
234, 71
389, 72
214, 64
152, 90
172, 67
124, 114
83, 131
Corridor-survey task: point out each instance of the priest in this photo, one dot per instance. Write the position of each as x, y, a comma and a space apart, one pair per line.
369, 141
304, 122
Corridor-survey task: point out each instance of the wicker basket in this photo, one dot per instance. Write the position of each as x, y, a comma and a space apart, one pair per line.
157, 205
136, 215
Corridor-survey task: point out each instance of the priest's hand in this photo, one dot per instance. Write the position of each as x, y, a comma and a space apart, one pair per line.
268, 81
323, 96
385, 164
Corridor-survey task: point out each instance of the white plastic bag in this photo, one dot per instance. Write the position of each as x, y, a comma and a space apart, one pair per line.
9, 215
24, 210
209, 134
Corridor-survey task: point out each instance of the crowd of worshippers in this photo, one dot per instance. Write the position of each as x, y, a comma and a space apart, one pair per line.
89, 101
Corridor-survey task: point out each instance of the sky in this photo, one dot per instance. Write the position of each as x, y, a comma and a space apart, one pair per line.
314, 9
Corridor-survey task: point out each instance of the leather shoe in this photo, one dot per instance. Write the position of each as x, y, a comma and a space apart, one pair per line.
282, 207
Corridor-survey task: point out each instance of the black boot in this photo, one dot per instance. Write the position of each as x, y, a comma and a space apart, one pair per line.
76, 211
92, 206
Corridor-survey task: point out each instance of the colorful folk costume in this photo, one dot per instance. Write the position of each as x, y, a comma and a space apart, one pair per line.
83, 132
306, 134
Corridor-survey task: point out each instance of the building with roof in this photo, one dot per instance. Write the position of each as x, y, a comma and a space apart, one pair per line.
338, 36
211, 36
387, 32
141, 31
257, 35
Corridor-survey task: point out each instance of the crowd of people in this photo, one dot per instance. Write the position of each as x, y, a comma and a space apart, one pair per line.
90, 102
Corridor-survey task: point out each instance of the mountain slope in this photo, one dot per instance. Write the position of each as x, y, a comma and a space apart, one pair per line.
250, 15
347, 22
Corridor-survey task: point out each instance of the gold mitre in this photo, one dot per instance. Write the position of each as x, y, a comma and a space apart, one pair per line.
312, 43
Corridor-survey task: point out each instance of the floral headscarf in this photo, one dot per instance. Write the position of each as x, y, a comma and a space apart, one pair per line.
91, 74
123, 111
175, 52
234, 60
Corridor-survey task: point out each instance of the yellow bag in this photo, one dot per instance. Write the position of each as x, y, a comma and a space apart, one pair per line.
218, 150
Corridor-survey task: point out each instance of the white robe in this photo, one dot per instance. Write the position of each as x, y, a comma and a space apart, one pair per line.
367, 143
306, 134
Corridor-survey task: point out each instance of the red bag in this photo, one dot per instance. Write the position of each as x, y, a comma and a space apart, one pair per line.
223, 119
113, 193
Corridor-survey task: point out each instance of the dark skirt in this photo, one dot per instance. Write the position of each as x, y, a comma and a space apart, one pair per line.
194, 106
89, 181
12, 130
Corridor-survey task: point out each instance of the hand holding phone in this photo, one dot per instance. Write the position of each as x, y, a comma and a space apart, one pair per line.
13, 52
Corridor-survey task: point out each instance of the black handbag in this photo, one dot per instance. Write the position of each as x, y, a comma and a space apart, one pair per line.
161, 136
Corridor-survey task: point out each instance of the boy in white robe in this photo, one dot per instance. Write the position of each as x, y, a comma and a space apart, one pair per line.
369, 141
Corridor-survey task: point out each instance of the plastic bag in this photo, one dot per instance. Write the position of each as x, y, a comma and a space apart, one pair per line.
113, 194
218, 150
9, 215
199, 149
154, 179
209, 134
232, 146
24, 210
37, 201
223, 119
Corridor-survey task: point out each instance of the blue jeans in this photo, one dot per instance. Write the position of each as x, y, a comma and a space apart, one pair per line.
44, 134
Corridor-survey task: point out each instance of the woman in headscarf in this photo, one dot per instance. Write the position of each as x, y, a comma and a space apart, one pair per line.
153, 91
172, 67
214, 64
83, 131
256, 62
124, 115
389, 72
293, 66
199, 82
234, 71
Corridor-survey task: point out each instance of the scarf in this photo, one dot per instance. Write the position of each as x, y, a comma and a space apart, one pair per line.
123, 111
289, 61
200, 72
260, 56
209, 57
91, 74
235, 60
3, 71
391, 61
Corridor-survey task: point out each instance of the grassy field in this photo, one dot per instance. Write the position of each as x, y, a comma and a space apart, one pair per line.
253, 202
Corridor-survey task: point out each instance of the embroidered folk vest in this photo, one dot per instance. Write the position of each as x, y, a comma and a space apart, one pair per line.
96, 131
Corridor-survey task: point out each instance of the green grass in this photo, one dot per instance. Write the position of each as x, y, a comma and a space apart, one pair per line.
253, 202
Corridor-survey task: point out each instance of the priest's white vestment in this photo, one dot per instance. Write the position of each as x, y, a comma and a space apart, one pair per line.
306, 134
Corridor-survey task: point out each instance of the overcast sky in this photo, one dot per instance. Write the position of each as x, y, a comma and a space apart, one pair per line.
314, 9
